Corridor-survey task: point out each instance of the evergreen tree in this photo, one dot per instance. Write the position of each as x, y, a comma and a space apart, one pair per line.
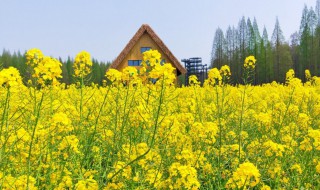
242, 41
5, 59
256, 30
250, 38
312, 23
305, 43
277, 40
65, 76
266, 59
232, 49
96, 73
69, 67
285, 60
229, 45
218, 49
317, 12
317, 40
294, 46
256, 48
316, 68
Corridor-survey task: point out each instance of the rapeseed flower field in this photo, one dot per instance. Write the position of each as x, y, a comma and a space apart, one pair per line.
142, 132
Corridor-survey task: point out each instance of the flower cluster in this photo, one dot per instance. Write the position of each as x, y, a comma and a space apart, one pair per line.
308, 75
151, 58
247, 175
249, 62
225, 71
82, 64
291, 80
290, 75
10, 77
193, 80
214, 77
114, 75
218, 77
46, 69
129, 74
34, 57
163, 73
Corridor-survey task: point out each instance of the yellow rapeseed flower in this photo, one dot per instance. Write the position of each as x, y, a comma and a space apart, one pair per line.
10, 77
151, 58
82, 64
214, 77
297, 168
193, 80
225, 71
290, 75
114, 75
250, 62
87, 184
48, 70
307, 74
183, 176
129, 73
34, 56
265, 187
246, 175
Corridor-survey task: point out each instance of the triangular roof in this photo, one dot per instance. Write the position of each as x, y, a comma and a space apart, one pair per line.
147, 29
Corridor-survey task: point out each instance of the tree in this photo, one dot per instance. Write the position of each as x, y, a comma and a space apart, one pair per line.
250, 38
317, 40
285, 61
96, 73
69, 64
242, 41
294, 48
304, 33
265, 61
317, 12
312, 23
277, 40
229, 44
218, 49
256, 30
65, 77
232, 49
317, 49
256, 47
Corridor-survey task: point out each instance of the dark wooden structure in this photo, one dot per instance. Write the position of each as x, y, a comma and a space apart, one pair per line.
194, 66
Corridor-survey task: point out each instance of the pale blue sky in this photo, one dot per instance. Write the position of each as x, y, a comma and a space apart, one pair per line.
64, 27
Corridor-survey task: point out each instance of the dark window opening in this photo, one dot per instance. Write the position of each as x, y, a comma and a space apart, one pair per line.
143, 49
134, 62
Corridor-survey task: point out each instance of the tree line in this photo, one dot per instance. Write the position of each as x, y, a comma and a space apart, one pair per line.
18, 60
275, 56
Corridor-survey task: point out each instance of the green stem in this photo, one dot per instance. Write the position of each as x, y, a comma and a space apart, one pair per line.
241, 119
81, 98
5, 112
152, 139
124, 114
89, 145
220, 135
37, 111
5, 119
51, 101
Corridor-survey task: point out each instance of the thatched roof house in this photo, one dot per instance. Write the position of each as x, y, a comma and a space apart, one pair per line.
145, 39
